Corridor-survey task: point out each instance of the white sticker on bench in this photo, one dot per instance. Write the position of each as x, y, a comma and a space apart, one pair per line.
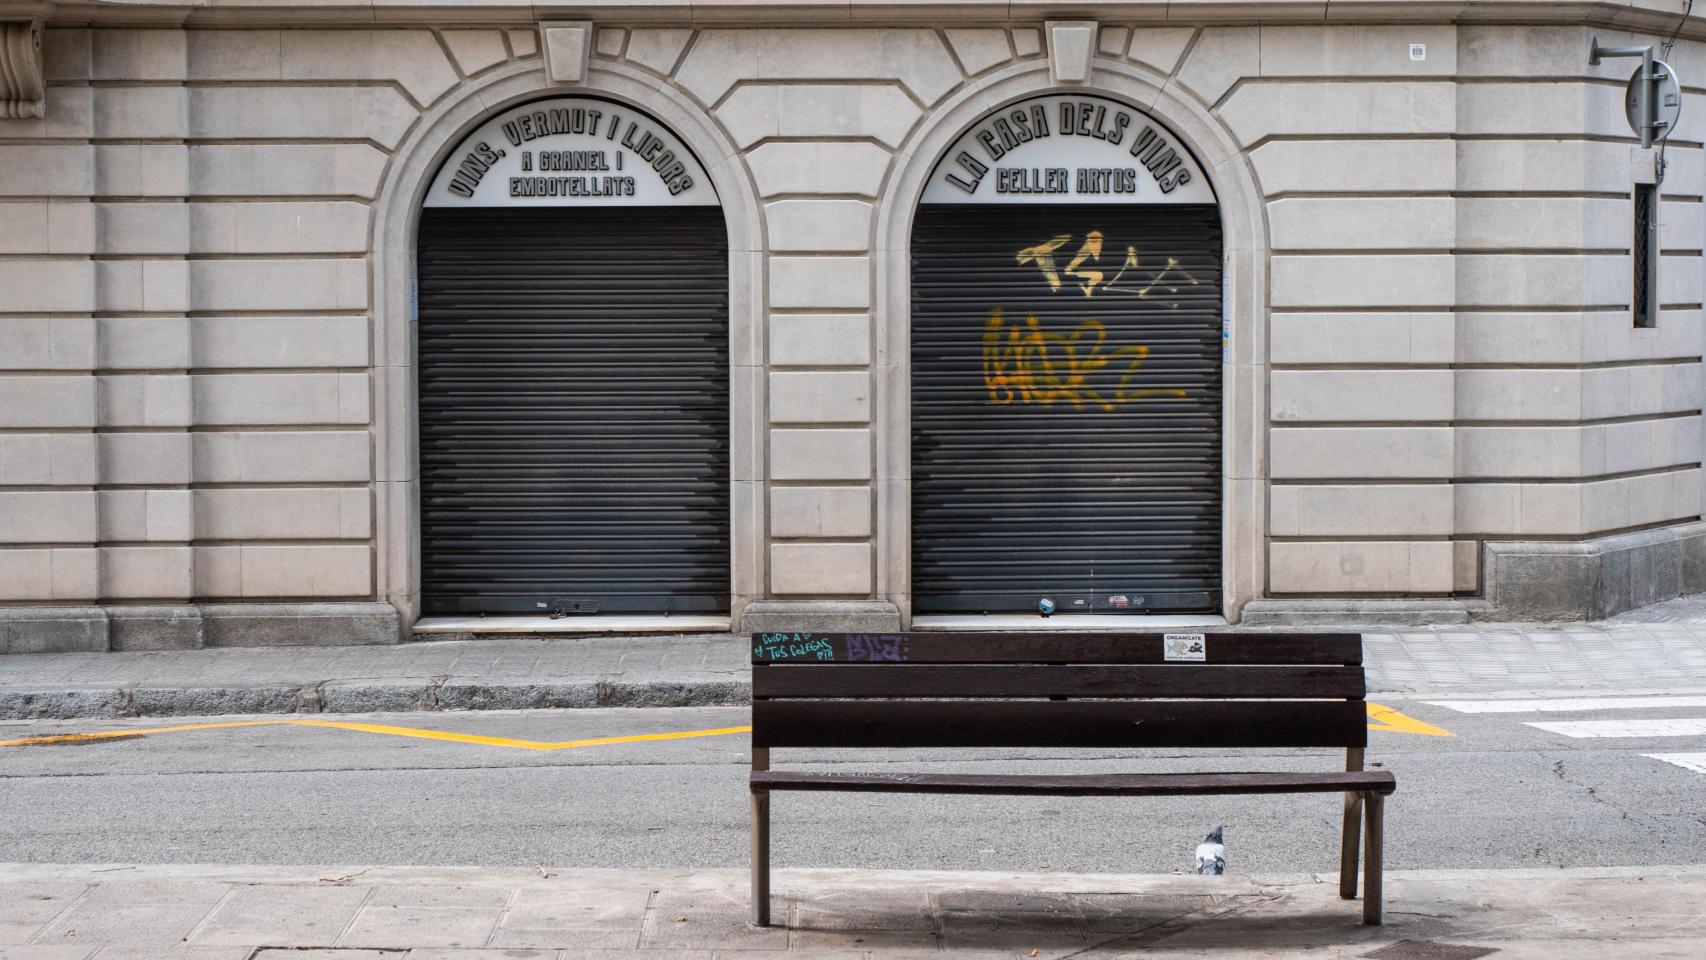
1184, 646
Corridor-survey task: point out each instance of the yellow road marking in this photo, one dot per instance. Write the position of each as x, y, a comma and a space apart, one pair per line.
1391, 721
112, 734
385, 730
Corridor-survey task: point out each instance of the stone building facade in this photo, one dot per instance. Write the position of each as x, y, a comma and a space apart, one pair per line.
1436, 394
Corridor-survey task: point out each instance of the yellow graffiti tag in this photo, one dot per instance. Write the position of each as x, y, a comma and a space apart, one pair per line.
1084, 268
1034, 365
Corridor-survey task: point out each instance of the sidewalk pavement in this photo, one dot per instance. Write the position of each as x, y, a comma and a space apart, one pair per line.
96, 912
1661, 649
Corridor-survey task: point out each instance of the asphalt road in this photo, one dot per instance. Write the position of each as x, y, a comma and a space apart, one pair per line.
1500, 793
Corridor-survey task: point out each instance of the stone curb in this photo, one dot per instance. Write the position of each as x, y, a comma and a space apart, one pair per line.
78, 701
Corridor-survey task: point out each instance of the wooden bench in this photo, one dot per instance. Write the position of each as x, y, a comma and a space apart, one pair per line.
958, 690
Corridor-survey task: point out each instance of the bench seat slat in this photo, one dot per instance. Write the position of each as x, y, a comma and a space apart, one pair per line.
1075, 680
1248, 648
1079, 785
1059, 723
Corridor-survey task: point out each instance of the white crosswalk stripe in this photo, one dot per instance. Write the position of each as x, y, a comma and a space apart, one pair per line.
1687, 761
1643, 727
1567, 704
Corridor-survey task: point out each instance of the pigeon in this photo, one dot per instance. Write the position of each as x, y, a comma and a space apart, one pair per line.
1211, 853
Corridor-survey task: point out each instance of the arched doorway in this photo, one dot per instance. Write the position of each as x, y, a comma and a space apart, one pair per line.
571, 312
1066, 352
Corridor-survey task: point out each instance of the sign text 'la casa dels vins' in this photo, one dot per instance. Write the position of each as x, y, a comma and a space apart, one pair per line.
1068, 149
571, 151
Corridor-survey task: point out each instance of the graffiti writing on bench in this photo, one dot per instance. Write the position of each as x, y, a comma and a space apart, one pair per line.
879, 648
792, 646
1035, 365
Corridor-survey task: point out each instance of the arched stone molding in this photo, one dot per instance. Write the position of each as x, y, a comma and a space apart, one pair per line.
396, 218
1244, 226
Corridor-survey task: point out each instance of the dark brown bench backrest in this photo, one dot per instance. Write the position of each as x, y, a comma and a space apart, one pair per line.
1056, 690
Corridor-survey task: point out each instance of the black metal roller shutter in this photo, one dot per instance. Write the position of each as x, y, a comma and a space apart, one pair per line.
1053, 454
574, 410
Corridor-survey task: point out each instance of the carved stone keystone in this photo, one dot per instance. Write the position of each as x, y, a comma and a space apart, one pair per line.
21, 91
1071, 43
568, 49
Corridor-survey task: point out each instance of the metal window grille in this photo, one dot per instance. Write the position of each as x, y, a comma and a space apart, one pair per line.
1645, 255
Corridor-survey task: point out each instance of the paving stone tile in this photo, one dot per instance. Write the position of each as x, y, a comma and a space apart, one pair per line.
393, 926
437, 953
443, 895
154, 923
32, 952
131, 951
283, 916
27, 906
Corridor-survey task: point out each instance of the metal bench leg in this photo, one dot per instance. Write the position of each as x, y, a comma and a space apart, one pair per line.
761, 859
1352, 831
1371, 860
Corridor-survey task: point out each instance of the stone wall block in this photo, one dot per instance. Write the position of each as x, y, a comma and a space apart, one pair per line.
46, 170
284, 456
143, 228
141, 170
1027, 42
292, 227
140, 54
980, 48
47, 226
147, 573
381, 114
279, 284
238, 399
820, 569
145, 400
43, 573
42, 343
1352, 166
1373, 566
1259, 110
412, 58
285, 170
818, 226
759, 111
1640, 445
145, 515
836, 168
1360, 452
56, 401
821, 282
65, 54
1508, 223
1371, 50
326, 570
146, 458
276, 513
820, 512
1221, 56
1384, 280
145, 343
1159, 48
1541, 280
281, 341
820, 397
1321, 510
827, 340
235, 55
1526, 451
820, 454
47, 516
1362, 395
48, 459
1521, 166
1681, 225
1519, 394
1350, 338
916, 58
47, 286
141, 112
1351, 223
1567, 109
476, 50
657, 50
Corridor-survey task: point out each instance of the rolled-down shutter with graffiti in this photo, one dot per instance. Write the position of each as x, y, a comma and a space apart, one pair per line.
574, 410
1066, 404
